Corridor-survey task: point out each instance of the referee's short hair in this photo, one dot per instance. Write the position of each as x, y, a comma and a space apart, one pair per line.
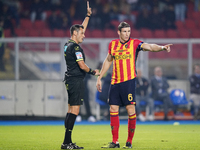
75, 27
123, 25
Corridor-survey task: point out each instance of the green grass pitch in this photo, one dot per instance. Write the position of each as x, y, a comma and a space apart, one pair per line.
92, 137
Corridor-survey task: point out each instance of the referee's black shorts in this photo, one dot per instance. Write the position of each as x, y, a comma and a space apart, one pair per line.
75, 89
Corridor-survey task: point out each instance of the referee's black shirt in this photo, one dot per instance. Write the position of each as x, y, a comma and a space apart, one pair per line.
73, 53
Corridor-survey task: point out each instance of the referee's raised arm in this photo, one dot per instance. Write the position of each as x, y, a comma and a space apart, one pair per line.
87, 17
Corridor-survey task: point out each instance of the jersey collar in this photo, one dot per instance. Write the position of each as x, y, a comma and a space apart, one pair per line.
125, 42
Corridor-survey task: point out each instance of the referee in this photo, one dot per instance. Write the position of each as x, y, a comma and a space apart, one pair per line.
74, 76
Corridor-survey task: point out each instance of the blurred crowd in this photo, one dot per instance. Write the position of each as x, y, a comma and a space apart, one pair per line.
60, 14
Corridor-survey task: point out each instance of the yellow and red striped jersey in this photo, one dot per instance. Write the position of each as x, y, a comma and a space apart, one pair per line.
124, 63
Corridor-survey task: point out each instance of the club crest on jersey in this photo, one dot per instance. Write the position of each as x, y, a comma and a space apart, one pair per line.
76, 48
126, 45
79, 55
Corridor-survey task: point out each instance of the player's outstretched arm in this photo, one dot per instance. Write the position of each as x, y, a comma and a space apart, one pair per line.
156, 48
86, 20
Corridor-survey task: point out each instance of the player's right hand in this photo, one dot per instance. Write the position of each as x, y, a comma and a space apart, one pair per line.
98, 84
97, 72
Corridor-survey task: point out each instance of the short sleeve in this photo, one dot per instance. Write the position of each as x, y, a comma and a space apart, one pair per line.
78, 53
138, 44
109, 48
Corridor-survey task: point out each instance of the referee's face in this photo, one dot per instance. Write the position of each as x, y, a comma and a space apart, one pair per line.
80, 36
124, 34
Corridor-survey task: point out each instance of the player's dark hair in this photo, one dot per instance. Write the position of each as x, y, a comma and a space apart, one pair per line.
75, 27
123, 25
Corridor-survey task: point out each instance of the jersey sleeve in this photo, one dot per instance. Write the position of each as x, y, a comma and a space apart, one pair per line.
78, 53
109, 48
139, 44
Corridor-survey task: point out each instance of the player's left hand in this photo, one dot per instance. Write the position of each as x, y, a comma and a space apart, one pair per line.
89, 10
167, 47
98, 85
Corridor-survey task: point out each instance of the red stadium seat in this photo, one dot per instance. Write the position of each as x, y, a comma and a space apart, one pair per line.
190, 24
135, 34
20, 32
108, 33
26, 24
159, 34
171, 34
77, 22
180, 25
195, 15
115, 23
46, 33
58, 33
33, 33
146, 33
97, 33
7, 33
38, 24
67, 33
195, 33
184, 33
88, 34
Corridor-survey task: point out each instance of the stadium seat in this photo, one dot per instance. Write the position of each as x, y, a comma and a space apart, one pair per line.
180, 25
171, 34
98, 104
58, 33
20, 32
38, 24
190, 24
108, 33
77, 22
33, 33
97, 33
88, 34
26, 24
146, 33
46, 33
184, 33
195, 33
7, 33
159, 34
135, 34
178, 97
115, 23
195, 15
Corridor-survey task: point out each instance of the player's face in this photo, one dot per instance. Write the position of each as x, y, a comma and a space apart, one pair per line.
124, 34
80, 36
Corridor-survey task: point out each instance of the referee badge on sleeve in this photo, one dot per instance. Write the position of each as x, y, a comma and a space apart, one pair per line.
79, 55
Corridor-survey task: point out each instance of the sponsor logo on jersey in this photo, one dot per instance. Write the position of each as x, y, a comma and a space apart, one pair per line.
76, 48
125, 56
79, 55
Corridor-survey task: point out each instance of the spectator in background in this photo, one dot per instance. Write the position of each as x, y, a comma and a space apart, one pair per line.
142, 94
95, 21
155, 16
196, 5
104, 94
180, 9
37, 11
2, 48
66, 21
125, 12
106, 19
143, 20
169, 18
195, 91
89, 115
159, 87
54, 21
7, 18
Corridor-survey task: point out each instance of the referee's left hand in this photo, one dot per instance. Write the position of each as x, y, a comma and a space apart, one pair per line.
98, 84
89, 10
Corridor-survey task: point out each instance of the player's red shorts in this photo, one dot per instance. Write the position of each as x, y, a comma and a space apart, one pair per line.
122, 94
